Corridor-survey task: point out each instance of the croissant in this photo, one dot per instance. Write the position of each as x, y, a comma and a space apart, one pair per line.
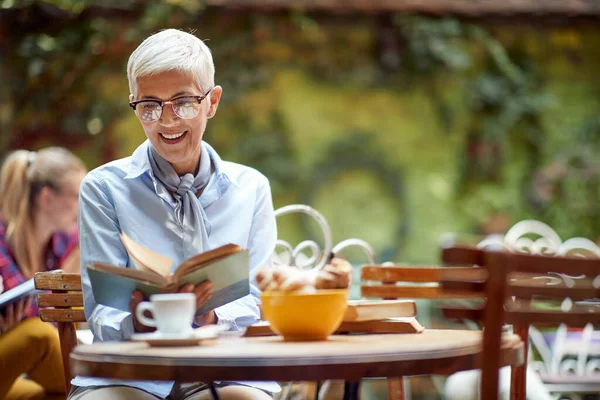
335, 275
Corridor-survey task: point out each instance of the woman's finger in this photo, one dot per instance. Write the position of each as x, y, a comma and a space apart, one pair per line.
203, 288
187, 288
203, 293
28, 304
136, 298
200, 301
19, 310
10, 315
24, 307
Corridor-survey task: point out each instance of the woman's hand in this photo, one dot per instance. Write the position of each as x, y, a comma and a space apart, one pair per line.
136, 298
203, 292
13, 314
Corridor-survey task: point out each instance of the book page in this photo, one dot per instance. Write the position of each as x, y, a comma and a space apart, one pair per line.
205, 258
369, 310
146, 259
143, 276
112, 286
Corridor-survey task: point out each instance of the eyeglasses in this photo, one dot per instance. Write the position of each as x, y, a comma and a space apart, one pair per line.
185, 107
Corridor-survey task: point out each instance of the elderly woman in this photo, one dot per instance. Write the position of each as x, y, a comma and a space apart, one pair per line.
176, 196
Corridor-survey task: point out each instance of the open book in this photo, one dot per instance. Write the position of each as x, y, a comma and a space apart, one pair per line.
23, 290
375, 310
227, 267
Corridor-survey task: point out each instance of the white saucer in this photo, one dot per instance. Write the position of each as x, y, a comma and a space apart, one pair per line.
190, 338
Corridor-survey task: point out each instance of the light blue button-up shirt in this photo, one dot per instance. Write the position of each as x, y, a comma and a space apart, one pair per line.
124, 196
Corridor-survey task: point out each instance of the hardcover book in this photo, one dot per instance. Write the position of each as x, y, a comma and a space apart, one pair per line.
227, 267
390, 325
368, 310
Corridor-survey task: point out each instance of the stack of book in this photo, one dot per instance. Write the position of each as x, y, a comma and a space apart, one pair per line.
366, 316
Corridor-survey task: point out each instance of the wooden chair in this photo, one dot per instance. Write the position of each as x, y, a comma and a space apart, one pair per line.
511, 284
64, 306
411, 282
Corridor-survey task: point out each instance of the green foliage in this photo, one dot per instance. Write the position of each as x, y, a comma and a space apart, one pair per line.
64, 68
342, 165
566, 191
266, 149
55, 69
433, 43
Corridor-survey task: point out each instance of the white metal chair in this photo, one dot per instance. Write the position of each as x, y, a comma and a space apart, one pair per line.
296, 256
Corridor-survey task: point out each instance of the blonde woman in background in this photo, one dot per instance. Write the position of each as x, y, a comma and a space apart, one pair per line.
38, 232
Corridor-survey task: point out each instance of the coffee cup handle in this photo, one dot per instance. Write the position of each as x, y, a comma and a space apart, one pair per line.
139, 313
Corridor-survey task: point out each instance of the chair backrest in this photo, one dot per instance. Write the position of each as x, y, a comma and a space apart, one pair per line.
412, 282
64, 306
389, 281
295, 256
511, 282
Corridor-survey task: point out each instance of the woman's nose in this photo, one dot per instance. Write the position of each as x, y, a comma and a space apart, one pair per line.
168, 115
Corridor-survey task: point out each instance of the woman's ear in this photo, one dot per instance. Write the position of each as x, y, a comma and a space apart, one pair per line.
44, 198
131, 97
214, 98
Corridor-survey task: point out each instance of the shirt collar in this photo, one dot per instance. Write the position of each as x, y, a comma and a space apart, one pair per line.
218, 165
140, 164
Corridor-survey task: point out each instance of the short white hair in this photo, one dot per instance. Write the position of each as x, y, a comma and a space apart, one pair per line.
170, 50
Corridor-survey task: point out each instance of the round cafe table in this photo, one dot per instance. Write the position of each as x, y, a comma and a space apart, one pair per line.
345, 357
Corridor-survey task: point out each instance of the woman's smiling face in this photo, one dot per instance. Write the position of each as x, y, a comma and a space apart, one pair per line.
177, 140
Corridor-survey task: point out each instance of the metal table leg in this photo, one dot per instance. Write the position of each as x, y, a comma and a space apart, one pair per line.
213, 391
351, 390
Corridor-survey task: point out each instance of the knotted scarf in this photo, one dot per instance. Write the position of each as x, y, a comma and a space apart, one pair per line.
188, 210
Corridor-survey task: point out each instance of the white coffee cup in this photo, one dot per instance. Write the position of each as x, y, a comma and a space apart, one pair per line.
172, 313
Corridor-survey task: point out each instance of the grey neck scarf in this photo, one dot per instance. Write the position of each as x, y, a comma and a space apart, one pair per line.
188, 210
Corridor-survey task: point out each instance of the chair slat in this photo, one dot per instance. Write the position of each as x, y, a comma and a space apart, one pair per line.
528, 263
544, 264
526, 287
399, 273
462, 255
61, 315
421, 274
524, 262
419, 292
57, 281
552, 318
60, 300
525, 291
463, 286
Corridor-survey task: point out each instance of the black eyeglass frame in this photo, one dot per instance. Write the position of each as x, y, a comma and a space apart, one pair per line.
162, 103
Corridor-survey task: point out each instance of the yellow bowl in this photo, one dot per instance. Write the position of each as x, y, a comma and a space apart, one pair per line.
304, 316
